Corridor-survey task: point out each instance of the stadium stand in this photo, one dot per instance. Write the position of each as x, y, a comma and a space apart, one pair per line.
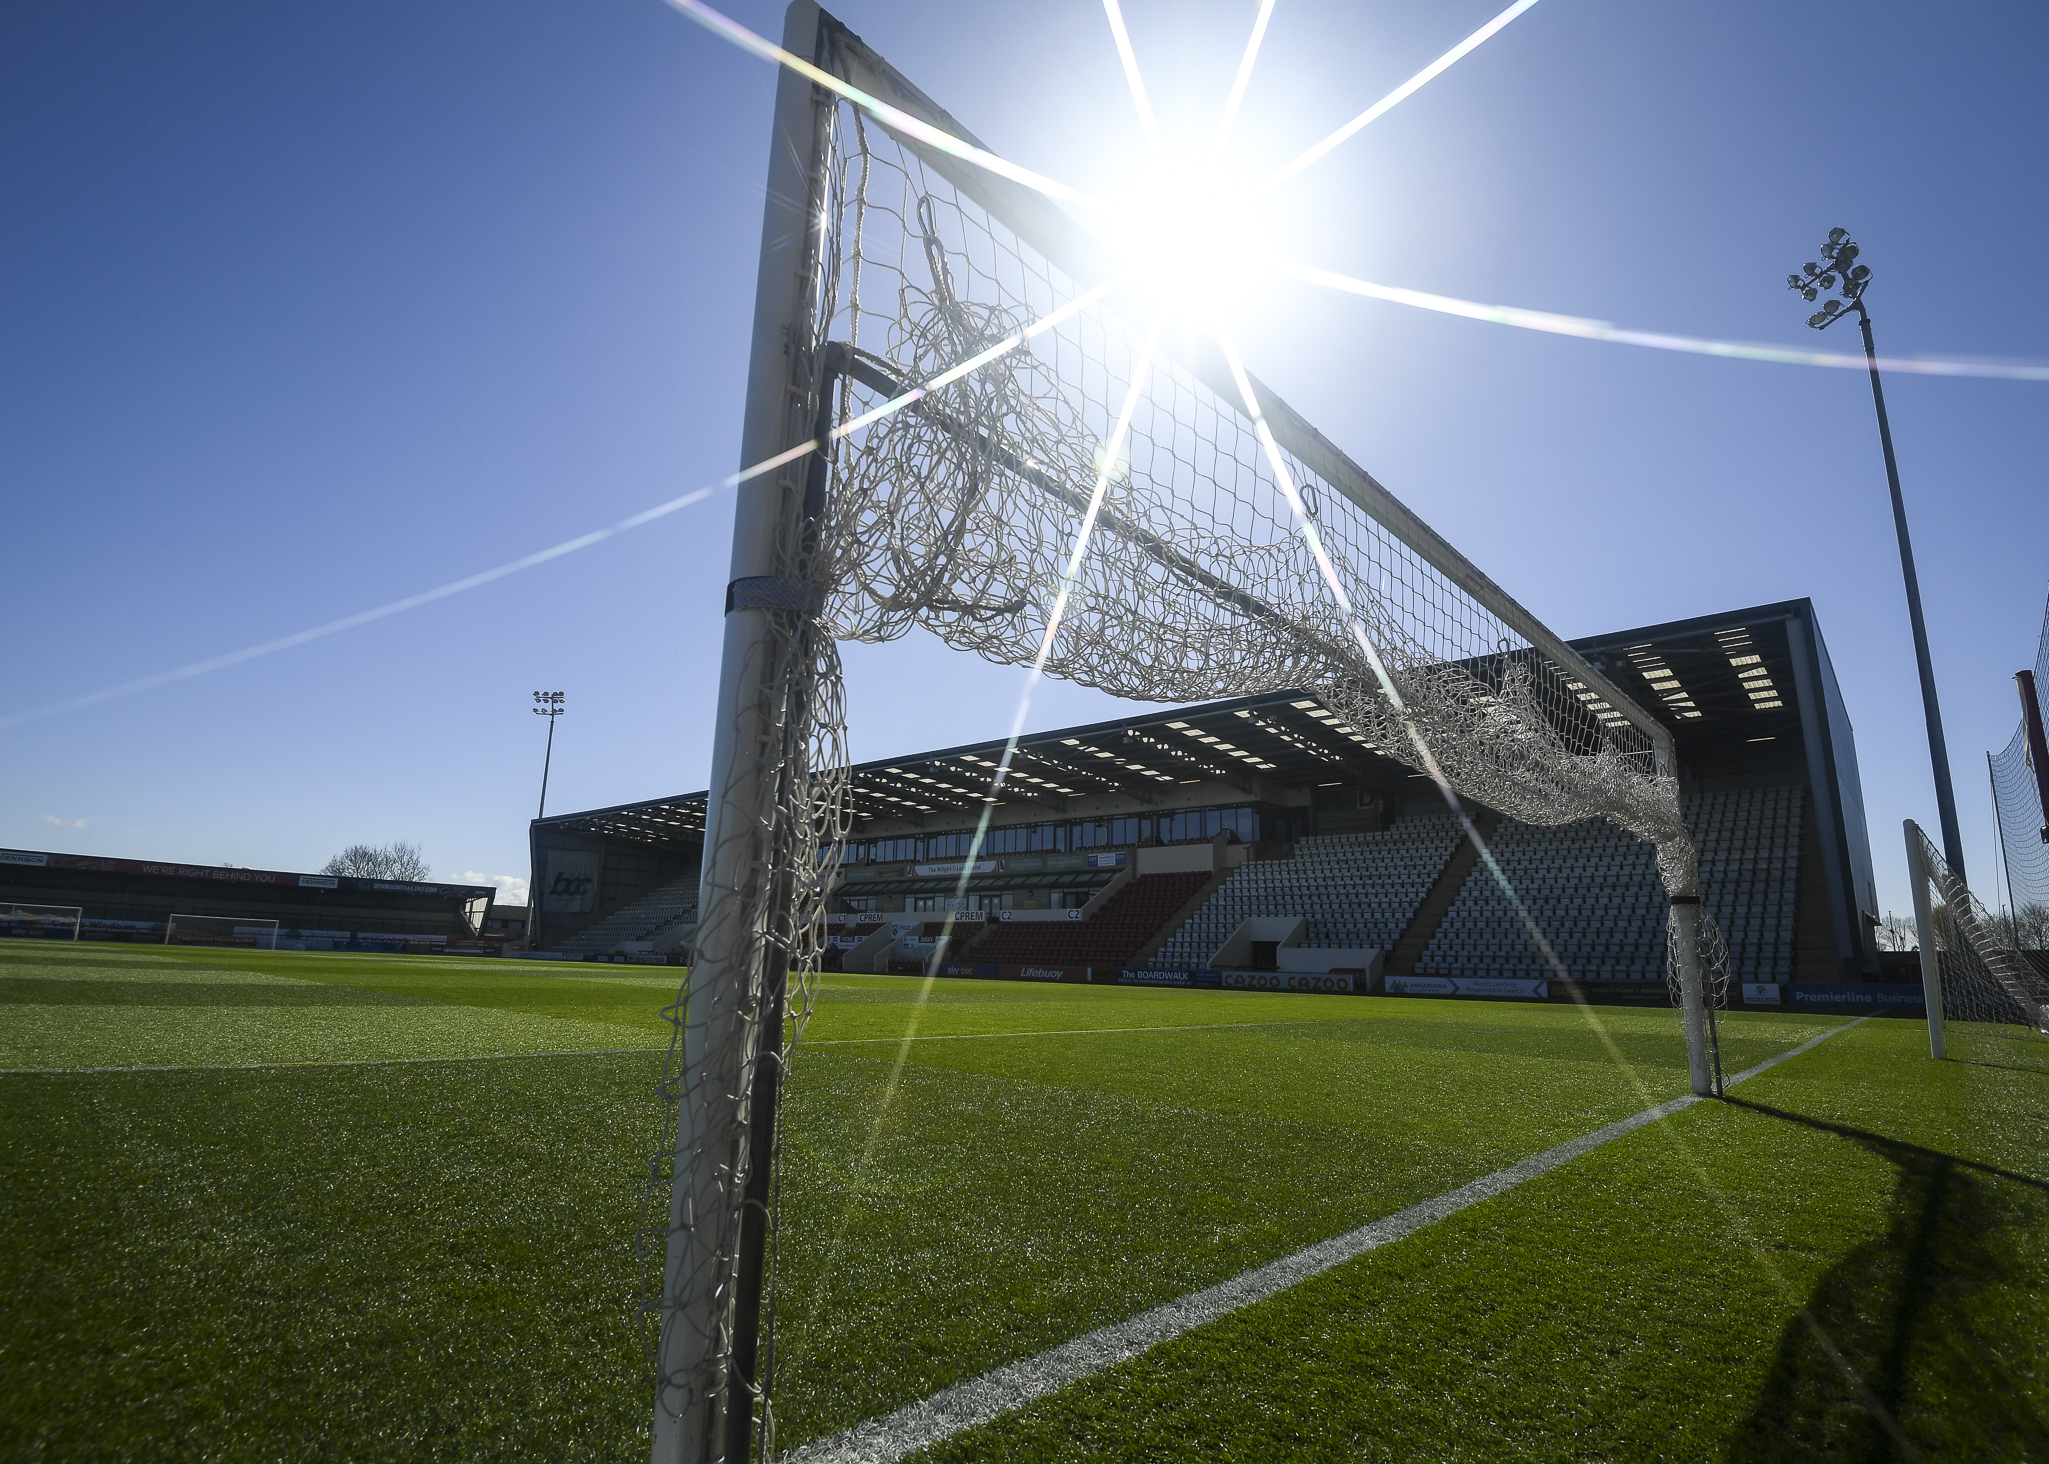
1110, 936
1356, 890
1594, 892
644, 921
1290, 812
133, 899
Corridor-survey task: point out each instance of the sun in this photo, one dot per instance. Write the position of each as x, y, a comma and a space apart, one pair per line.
1194, 233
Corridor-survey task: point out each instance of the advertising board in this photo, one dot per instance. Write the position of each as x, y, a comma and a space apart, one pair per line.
1132, 977
1868, 995
1510, 986
1320, 981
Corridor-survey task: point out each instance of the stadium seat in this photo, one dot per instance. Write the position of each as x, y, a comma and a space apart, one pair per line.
1354, 890
1594, 892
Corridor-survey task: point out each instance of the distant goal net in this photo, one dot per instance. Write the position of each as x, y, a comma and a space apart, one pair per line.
1979, 983
221, 930
40, 922
981, 433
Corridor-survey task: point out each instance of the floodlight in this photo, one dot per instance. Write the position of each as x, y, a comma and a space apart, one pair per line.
1809, 293
1861, 273
1831, 306
1835, 235
1811, 267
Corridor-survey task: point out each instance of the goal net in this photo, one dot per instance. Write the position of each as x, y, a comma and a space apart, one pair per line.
2020, 801
1003, 454
221, 930
47, 922
1979, 985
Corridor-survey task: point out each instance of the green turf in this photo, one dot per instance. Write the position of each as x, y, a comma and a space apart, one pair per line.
432, 1259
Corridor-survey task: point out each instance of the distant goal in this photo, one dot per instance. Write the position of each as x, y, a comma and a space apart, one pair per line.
45, 922
221, 930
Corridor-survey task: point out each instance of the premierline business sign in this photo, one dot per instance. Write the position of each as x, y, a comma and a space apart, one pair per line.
1856, 994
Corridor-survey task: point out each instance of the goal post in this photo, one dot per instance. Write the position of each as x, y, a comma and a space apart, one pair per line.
221, 930
948, 426
46, 922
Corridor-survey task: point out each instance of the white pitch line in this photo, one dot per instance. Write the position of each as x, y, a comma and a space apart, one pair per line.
245, 1067
983, 1400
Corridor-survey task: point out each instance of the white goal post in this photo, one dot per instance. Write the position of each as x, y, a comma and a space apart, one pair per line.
971, 440
221, 930
44, 921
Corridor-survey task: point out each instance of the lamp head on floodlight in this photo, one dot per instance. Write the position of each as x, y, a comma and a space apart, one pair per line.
1837, 268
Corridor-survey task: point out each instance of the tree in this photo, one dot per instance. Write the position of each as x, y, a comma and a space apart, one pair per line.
2025, 929
1897, 933
397, 860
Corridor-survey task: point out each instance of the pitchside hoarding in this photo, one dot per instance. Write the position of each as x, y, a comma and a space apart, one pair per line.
1326, 982
1467, 986
1861, 995
1128, 977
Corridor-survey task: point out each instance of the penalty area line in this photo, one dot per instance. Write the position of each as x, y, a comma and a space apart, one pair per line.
983, 1400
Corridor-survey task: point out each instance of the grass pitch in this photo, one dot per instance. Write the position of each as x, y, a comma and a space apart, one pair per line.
242, 1219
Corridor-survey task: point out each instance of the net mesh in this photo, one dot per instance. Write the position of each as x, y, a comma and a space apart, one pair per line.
1201, 579
2023, 819
221, 930
1204, 570
17, 918
1987, 981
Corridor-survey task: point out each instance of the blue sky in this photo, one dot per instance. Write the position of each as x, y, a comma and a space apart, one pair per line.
310, 308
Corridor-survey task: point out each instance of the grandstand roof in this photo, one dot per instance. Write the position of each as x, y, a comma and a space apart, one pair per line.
1724, 683
1285, 736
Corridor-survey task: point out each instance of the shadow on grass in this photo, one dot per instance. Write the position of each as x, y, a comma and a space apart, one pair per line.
1904, 1350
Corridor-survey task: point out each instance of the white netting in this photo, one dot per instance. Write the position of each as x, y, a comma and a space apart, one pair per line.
221, 930
2022, 811
19, 919
959, 513
1986, 978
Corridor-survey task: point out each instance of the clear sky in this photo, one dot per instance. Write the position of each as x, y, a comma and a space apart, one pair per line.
307, 308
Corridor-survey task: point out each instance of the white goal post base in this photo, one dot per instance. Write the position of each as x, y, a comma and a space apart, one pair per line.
20, 919
221, 930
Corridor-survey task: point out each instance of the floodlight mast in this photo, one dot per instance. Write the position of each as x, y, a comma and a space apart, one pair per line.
1838, 269
547, 704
